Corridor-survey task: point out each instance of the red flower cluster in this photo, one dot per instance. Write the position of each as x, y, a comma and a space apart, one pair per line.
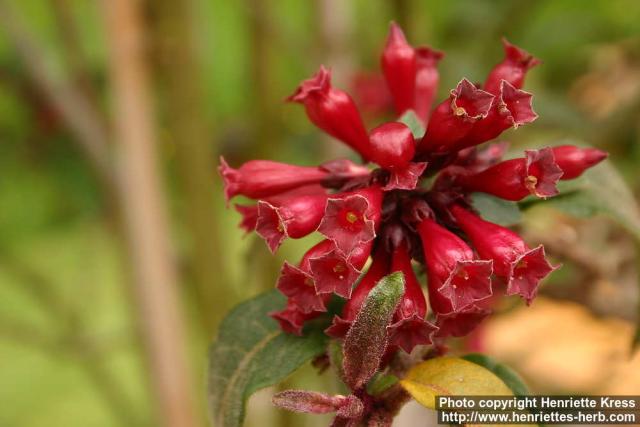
385, 214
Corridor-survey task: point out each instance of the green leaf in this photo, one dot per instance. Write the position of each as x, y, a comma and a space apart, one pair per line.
601, 190
505, 373
252, 353
381, 382
410, 119
498, 211
451, 376
366, 340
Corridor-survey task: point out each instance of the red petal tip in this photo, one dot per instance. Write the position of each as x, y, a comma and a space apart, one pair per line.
319, 82
517, 104
469, 101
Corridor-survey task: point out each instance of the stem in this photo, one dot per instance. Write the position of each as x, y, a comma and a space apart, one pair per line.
192, 139
155, 275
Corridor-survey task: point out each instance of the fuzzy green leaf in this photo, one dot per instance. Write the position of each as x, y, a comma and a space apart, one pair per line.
498, 211
601, 190
412, 121
380, 383
366, 340
251, 353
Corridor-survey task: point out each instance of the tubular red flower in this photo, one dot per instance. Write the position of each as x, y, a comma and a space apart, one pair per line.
512, 109
427, 79
476, 159
399, 68
409, 328
333, 273
461, 323
263, 178
352, 218
292, 318
575, 160
295, 217
454, 118
333, 111
378, 269
522, 268
513, 68
371, 93
456, 278
537, 174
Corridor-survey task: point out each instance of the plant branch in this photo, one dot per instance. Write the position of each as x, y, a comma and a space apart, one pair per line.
144, 214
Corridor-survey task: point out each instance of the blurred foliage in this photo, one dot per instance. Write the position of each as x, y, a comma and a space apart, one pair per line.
69, 351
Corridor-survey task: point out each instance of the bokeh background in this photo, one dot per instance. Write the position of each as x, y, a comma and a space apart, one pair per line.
117, 254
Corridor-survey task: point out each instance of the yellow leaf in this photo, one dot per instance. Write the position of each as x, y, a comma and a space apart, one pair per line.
451, 376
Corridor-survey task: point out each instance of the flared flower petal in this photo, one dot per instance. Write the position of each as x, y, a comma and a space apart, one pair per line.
249, 216
334, 273
512, 110
575, 160
536, 174
352, 218
333, 111
399, 67
526, 273
467, 283
378, 269
299, 287
454, 118
513, 68
409, 332
292, 319
405, 178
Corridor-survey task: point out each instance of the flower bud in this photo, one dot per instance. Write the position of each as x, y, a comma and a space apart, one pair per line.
537, 174
319, 403
513, 68
521, 267
392, 145
352, 218
399, 68
512, 109
575, 160
295, 217
454, 118
333, 111
427, 79
456, 278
